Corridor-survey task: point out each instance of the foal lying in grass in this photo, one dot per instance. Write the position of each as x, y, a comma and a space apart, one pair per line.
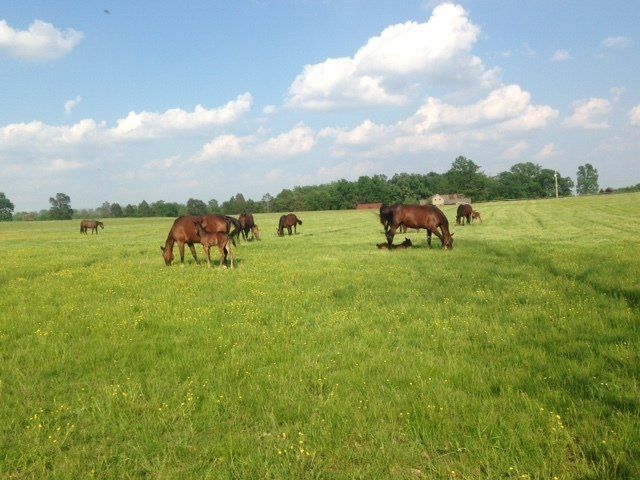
219, 239
385, 246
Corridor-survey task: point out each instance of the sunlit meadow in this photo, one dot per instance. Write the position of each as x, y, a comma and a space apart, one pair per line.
516, 355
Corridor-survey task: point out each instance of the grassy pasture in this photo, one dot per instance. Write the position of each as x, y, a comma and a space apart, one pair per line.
516, 355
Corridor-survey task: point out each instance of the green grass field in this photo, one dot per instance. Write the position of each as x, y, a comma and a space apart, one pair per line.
516, 355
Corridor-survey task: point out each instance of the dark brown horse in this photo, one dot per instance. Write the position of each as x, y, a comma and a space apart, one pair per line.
288, 221
417, 216
248, 225
385, 246
184, 231
92, 224
219, 239
464, 212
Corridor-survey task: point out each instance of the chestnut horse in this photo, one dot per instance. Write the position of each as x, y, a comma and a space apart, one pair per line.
417, 216
184, 231
464, 212
92, 224
248, 225
219, 239
288, 221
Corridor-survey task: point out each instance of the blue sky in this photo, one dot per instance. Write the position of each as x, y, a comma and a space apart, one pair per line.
157, 100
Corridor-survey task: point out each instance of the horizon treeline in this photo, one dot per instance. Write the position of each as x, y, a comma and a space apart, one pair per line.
522, 181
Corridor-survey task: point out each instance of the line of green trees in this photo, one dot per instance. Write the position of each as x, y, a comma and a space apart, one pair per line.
521, 181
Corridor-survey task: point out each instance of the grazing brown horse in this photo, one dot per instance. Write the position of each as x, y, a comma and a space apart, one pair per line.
476, 215
248, 225
92, 224
288, 221
385, 246
219, 239
184, 231
464, 212
418, 216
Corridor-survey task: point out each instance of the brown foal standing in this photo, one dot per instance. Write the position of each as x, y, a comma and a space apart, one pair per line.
220, 239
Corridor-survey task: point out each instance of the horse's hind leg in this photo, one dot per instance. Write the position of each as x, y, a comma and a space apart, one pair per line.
230, 253
429, 237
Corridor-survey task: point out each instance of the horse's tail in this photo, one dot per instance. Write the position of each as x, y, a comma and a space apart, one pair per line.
386, 216
236, 231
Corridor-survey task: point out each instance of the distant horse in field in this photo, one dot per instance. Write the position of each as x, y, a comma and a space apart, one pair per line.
385, 246
288, 221
248, 225
184, 231
219, 239
92, 224
417, 216
464, 212
476, 215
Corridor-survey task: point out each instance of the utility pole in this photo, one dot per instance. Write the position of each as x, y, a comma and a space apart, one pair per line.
555, 176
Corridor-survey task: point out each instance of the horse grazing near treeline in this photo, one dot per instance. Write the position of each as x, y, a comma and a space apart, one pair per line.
476, 215
248, 224
92, 224
463, 213
183, 231
288, 221
417, 216
385, 246
219, 239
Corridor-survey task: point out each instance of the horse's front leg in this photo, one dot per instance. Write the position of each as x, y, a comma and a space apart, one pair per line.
439, 235
391, 233
289, 229
429, 237
207, 254
181, 250
193, 252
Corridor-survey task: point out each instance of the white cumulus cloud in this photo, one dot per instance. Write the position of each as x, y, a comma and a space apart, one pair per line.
389, 68
153, 125
437, 125
300, 139
41, 42
590, 114
71, 104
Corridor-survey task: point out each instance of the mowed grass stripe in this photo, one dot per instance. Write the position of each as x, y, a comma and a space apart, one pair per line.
321, 356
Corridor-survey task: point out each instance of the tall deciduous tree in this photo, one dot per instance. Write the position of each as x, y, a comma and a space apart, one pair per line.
6, 208
196, 207
60, 207
465, 177
587, 180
